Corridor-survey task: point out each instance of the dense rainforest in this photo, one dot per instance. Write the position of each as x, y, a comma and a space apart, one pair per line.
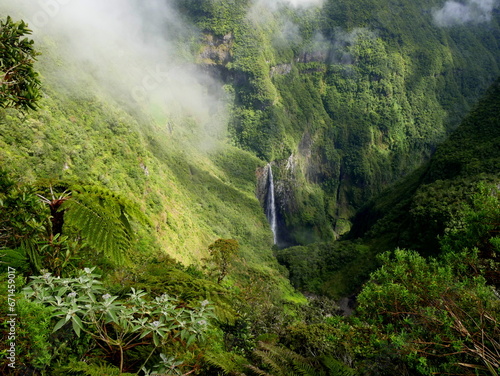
242, 187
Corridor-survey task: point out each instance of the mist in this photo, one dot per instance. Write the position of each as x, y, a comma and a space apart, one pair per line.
299, 3
137, 52
276, 4
468, 12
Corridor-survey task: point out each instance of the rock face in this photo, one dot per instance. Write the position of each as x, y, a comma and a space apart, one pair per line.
304, 212
216, 50
281, 69
276, 192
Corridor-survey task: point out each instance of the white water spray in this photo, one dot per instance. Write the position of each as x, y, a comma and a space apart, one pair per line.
271, 205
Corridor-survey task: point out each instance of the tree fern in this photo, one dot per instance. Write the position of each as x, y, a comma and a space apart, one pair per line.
103, 219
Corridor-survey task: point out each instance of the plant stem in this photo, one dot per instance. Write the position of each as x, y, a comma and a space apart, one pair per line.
144, 364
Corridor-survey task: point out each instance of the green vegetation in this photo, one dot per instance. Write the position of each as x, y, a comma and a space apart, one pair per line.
418, 210
120, 328
438, 316
140, 247
19, 82
222, 252
417, 315
352, 92
334, 269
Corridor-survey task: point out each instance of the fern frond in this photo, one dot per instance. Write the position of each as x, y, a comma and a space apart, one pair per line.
29, 247
82, 368
257, 370
282, 362
336, 367
228, 363
270, 361
103, 219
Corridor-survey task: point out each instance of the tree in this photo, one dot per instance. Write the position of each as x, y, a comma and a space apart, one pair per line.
19, 83
222, 252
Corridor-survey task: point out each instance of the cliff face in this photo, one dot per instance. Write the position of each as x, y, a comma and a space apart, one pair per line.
355, 102
216, 50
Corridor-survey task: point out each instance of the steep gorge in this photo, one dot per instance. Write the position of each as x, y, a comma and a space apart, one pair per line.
343, 100
260, 163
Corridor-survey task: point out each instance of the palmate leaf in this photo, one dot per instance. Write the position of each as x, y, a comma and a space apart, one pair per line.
103, 219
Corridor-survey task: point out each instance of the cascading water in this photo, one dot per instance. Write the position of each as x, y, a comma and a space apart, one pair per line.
271, 204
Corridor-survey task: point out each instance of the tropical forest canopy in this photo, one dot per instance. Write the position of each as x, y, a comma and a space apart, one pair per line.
139, 142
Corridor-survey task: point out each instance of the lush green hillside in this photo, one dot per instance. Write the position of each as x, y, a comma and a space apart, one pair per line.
416, 213
418, 210
356, 95
134, 197
192, 198
170, 182
345, 99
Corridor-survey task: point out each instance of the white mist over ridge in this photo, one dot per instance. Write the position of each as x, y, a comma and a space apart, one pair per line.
275, 4
460, 13
136, 51
299, 3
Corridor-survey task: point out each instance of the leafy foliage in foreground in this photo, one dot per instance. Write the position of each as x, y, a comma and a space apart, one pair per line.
47, 232
435, 313
121, 328
19, 82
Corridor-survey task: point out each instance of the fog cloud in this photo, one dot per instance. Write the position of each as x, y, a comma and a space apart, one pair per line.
460, 13
275, 4
302, 3
137, 51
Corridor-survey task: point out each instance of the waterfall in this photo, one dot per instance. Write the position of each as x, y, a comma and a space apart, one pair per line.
271, 205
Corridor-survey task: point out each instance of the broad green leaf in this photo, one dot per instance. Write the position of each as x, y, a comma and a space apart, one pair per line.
77, 325
59, 324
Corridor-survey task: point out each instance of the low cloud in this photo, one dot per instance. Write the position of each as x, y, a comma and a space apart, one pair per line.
468, 12
288, 34
137, 51
304, 3
275, 4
